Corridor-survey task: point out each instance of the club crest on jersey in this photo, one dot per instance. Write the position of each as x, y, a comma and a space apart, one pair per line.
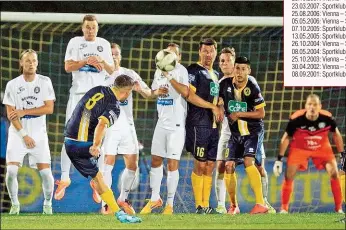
321, 125
99, 48
82, 46
247, 91
20, 89
37, 89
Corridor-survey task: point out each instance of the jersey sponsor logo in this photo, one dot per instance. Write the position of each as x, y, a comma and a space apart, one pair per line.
237, 106
313, 142
312, 128
321, 125
214, 89
20, 89
124, 103
247, 91
99, 48
165, 102
37, 89
88, 68
29, 97
229, 89
82, 46
29, 103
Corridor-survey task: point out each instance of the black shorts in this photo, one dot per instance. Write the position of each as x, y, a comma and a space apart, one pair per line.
83, 161
245, 146
343, 163
202, 142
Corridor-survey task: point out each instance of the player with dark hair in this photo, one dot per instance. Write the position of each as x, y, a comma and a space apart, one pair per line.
97, 110
201, 130
244, 108
307, 135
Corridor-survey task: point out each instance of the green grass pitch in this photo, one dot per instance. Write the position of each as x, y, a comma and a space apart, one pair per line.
177, 221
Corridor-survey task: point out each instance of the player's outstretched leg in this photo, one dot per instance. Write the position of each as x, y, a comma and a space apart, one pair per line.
108, 196
332, 169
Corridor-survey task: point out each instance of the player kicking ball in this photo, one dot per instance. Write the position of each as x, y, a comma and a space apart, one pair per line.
97, 110
307, 134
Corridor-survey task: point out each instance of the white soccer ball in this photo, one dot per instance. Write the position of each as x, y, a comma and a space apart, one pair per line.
165, 60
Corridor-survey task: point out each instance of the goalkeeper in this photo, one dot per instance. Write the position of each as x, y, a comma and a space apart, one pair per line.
308, 131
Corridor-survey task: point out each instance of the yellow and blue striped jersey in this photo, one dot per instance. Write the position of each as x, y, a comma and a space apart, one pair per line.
98, 103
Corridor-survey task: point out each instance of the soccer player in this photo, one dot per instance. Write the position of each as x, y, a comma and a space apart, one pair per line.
342, 178
307, 135
88, 58
28, 98
122, 138
201, 130
169, 135
97, 110
244, 106
227, 58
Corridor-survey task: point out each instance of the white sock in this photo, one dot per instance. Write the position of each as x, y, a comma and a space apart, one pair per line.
101, 162
172, 184
47, 185
127, 179
156, 175
107, 175
264, 181
65, 164
12, 183
220, 189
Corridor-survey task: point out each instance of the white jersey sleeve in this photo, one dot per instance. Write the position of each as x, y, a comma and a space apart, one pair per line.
48, 91
72, 50
9, 95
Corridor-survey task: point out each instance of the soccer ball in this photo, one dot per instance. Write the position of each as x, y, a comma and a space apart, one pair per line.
165, 60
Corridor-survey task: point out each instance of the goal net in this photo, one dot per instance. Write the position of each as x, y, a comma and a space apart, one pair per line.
262, 43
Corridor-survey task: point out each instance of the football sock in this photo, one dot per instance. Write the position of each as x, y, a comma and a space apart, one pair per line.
197, 187
342, 183
47, 185
231, 185
264, 181
108, 197
127, 179
287, 188
107, 175
220, 189
156, 175
336, 190
65, 164
12, 183
172, 184
255, 182
207, 185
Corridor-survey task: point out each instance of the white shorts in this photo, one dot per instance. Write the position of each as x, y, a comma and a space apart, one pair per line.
71, 104
16, 150
168, 143
121, 138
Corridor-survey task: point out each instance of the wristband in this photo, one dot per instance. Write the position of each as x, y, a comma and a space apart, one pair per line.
280, 157
22, 132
